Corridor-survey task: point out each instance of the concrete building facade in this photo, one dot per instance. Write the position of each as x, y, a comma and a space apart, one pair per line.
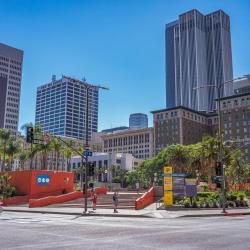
138, 142
11, 63
105, 161
61, 108
198, 53
235, 120
181, 125
242, 86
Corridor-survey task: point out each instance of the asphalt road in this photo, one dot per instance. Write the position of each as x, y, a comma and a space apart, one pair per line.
42, 231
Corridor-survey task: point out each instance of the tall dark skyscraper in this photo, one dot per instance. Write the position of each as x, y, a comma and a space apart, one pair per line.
11, 61
198, 53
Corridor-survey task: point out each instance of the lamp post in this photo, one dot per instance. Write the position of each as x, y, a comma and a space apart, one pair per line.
218, 88
88, 87
106, 177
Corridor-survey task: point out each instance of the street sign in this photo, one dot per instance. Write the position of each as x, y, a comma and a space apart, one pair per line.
168, 170
168, 198
42, 179
168, 186
39, 142
179, 186
191, 188
168, 183
87, 153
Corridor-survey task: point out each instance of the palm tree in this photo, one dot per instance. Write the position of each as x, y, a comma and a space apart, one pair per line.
44, 150
55, 144
13, 147
5, 135
23, 157
210, 154
68, 154
177, 156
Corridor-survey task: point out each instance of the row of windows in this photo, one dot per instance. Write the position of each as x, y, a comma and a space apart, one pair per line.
15, 73
10, 104
4, 58
128, 140
13, 88
14, 83
10, 93
15, 78
11, 127
11, 121
4, 64
13, 99
3, 69
236, 102
16, 62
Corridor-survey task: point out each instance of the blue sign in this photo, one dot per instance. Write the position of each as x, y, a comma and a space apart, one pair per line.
87, 153
42, 179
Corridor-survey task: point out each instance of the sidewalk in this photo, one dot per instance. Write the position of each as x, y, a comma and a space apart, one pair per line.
149, 212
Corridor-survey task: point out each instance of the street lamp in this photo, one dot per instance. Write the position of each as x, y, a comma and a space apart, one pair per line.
218, 87
88, 87
106, 177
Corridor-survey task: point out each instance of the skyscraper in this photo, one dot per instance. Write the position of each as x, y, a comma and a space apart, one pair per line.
61, 108
198, 53
138, 120
11, 61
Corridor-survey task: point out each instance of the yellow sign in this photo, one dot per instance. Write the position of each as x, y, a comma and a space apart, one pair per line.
168, 170
168, 198
168, 183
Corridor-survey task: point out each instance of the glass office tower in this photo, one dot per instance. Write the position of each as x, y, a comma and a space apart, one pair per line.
198, 53
61, 108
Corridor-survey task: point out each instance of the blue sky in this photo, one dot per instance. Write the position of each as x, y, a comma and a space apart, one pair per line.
119, 44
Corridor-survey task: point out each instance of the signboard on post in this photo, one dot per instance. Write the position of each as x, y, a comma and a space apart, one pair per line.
87, 153
168, 186
191, 188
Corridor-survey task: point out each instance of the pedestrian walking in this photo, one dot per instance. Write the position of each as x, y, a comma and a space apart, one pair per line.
115, 201
94, 202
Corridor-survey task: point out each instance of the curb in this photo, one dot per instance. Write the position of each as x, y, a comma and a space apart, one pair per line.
214, 215
78, 214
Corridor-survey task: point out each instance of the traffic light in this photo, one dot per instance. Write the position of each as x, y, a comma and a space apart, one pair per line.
29, 135
91, 169
218, 168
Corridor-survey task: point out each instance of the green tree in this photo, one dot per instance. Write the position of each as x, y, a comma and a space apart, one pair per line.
5, 135
237, 171
210, 154
12, 149
23, 157
6, 190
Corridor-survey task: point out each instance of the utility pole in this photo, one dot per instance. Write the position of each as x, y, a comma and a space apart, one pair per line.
88, 87
220, 158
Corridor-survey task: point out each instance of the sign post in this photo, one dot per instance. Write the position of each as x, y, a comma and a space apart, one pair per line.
168, 186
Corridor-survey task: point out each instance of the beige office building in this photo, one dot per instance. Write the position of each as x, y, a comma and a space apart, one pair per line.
138, 142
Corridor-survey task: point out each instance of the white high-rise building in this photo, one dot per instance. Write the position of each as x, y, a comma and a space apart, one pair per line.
61, 108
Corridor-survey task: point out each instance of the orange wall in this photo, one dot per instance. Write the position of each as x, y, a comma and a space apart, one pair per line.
26, 184
145, 200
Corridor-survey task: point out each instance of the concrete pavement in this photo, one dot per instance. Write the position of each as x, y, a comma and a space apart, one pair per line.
149, 212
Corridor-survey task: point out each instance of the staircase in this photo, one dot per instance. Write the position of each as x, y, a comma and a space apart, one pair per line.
126, 201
